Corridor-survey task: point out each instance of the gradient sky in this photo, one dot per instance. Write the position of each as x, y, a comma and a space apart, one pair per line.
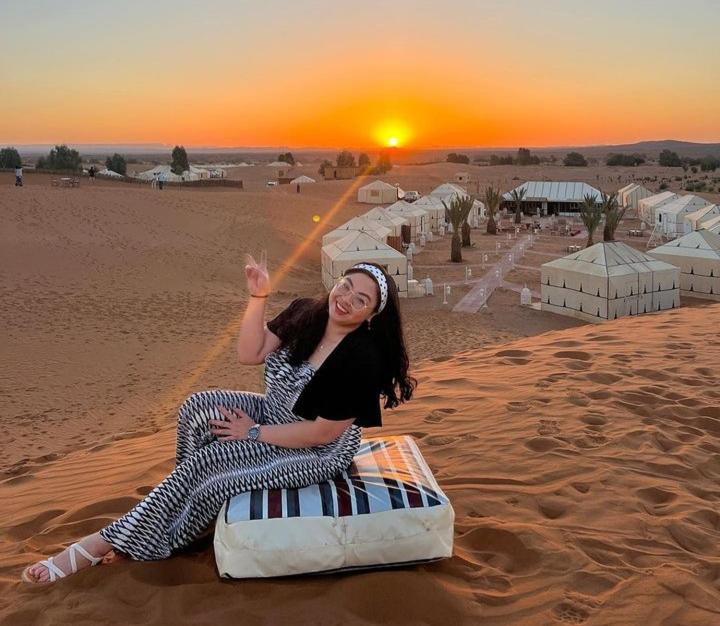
305, 73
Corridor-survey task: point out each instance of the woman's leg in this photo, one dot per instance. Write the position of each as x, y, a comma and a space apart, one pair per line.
179, 509
192, 428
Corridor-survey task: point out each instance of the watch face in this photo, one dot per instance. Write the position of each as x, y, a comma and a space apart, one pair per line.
254, 432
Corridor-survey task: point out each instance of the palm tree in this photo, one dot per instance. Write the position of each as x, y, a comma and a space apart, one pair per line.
613, 214
457, 213
517, 196
492, 204
591, 215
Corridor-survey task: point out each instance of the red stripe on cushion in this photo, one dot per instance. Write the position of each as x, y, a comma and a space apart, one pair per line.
274, 503
344, 506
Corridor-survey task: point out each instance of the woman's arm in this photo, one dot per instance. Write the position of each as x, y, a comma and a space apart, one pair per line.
305, 434
255, 341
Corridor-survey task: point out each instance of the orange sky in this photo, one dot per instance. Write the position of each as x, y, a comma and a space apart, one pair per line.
457, 73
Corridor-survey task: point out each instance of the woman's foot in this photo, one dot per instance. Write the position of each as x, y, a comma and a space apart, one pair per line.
89, 551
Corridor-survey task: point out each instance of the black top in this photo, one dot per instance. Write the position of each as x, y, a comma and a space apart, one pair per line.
347, 383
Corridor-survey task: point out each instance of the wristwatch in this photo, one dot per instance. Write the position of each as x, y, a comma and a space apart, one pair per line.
254, 432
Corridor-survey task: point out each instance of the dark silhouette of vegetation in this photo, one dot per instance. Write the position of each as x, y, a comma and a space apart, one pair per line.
383, 164
10, 157
117, 163
613, 214
457, 158
574, 159
525, 158
323, 165
492, 204
629, 160
500, 160
60, 158
287, 157
668, 158
364, 160
345, 159
457, 213
517, 196
591, 215
180, 161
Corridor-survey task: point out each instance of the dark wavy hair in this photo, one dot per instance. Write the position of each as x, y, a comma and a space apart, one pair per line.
386, 331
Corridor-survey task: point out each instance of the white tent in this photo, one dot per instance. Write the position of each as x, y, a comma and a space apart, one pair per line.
670, 215
646, 206
448, 189
607, 281
630, 195
712, 224
435, 210
390, 220
279, 164
356, 247
109, 173
302, 180
372, 227
715, 229
377, 192
170, 177
695, 219
697, 254
417, 217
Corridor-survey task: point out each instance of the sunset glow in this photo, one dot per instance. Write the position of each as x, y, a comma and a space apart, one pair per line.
252, 74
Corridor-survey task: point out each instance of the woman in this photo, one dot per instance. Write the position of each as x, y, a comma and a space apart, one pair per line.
328, 362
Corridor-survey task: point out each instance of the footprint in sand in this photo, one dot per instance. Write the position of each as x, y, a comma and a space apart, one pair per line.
439, 440
548, 428
570, 613
575, 355
541, 444
438, 415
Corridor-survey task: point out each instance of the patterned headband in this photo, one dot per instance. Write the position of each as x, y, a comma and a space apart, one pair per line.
380, 279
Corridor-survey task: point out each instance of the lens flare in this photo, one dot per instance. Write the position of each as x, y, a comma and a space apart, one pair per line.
316, 219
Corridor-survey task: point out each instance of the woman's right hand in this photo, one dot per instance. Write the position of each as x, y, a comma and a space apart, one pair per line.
258, 278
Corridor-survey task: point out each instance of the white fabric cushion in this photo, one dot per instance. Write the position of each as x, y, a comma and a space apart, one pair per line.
386, 510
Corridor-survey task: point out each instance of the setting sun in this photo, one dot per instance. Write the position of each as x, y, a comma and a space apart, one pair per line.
393, 142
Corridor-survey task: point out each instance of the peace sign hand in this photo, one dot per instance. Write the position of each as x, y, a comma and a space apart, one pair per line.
235, 426
258, 278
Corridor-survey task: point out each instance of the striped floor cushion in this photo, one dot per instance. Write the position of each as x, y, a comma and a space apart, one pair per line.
386, 510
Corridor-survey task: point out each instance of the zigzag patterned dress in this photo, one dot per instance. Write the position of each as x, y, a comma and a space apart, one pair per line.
208, 471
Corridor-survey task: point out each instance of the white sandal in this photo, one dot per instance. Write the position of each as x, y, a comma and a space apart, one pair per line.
55, 572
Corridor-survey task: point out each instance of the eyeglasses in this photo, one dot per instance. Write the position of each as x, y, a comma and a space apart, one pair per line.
342, 288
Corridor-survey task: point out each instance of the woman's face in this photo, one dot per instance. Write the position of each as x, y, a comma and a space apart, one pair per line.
353, 299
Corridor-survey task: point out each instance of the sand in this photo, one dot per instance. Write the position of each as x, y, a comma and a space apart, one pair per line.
582, 461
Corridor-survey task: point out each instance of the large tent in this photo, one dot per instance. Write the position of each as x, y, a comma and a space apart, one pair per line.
194, 173
549, 197
697, 254
712, 224
373, 228
109, 173
695, 219
302, 180
416, 217
356, 247
435, 209
448, 189
646, 206
607, 281
390, 220
670, 216
630, 195
377, 192
156, 171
